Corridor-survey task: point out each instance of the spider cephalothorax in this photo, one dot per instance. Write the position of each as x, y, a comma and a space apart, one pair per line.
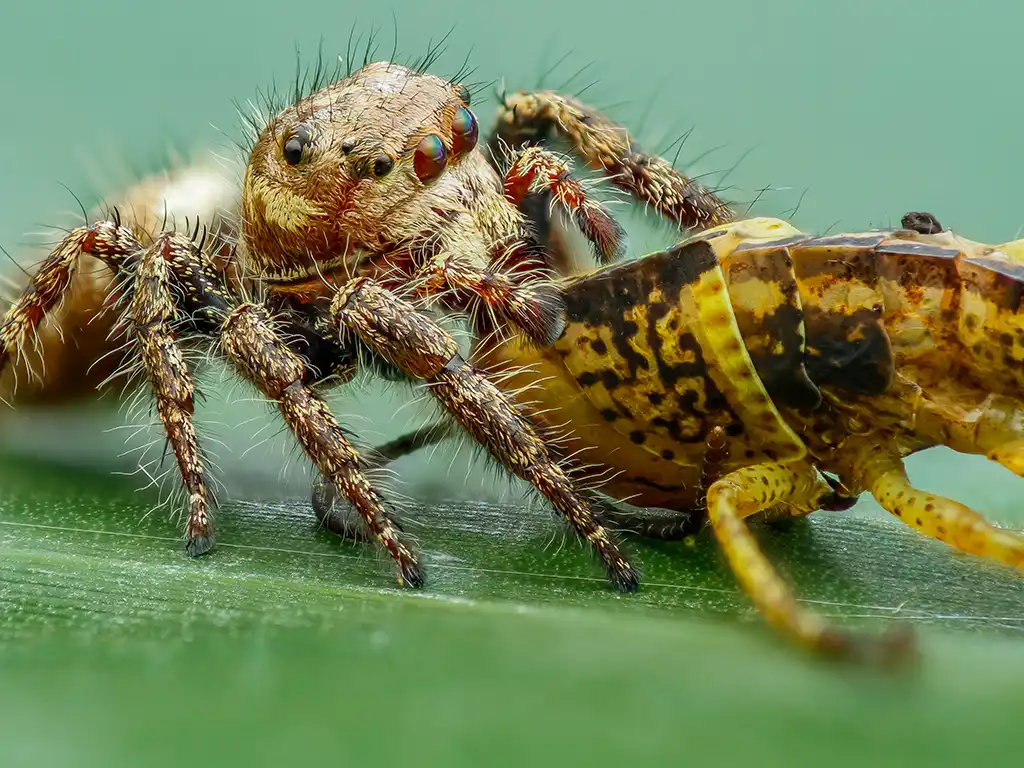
380, 160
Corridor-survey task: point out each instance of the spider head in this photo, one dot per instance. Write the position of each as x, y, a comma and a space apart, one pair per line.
367, 163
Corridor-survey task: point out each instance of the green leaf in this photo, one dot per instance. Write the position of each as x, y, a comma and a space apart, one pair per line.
286, 645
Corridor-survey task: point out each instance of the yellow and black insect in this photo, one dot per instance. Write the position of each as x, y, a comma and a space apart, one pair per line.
750, 368
815, 364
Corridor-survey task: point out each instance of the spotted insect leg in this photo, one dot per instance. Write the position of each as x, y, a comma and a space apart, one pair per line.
884, 475
761, 488
1011, 456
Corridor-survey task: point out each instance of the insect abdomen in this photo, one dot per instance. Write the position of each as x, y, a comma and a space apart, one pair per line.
866, 305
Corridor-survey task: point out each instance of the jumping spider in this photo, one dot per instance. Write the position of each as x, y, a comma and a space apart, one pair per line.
366, 206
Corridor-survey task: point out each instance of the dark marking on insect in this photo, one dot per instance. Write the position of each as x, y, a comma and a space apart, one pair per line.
774, 340
785, 375
850, 351
640, 480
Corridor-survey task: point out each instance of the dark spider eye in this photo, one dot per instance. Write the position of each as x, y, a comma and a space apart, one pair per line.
347, 146
295, 144
430, 158
382, 166
465, 131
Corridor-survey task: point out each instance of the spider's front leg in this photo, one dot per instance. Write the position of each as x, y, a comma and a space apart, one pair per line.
260, 353
536, 171
530, 118
262, 356
395, 331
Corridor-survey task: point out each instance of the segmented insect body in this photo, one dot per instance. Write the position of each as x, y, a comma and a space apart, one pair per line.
720, 378
840, 354
779, 338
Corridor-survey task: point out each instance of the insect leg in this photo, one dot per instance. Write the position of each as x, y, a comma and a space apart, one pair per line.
529, 118
394, 330
760, 488
883, 474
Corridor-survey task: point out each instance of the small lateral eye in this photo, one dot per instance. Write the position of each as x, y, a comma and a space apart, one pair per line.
382, 165
465, 131
295, 144
430, 158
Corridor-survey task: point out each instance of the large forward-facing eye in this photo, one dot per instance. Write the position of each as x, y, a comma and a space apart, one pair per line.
465, 131
295, 145
430, 158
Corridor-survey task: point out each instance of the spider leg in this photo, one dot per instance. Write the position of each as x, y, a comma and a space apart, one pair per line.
147, 275
536, 171
156, 317
393, 329
173, 286
337, 519
50, 286
529, 118
272, 360
262, 356
515, 294
799, 487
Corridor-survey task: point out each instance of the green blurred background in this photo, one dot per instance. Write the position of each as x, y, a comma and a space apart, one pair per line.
285, 644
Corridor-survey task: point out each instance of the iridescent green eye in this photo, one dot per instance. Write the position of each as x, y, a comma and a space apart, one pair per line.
465, 131
430, 158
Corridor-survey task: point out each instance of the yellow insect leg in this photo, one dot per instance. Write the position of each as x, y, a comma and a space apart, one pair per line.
959, 526
800, 488
1011, 456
